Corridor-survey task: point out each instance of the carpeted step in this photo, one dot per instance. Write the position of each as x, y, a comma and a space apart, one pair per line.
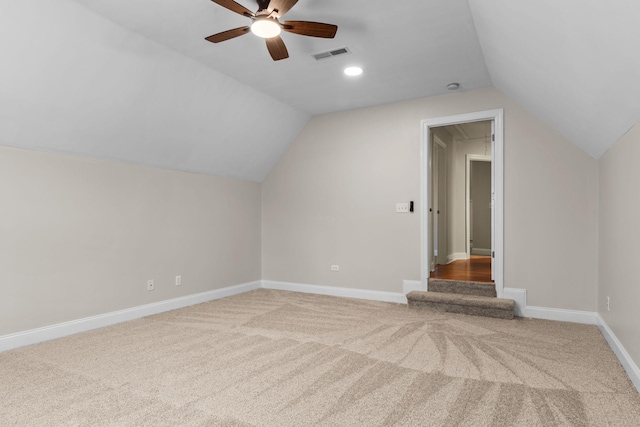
483, 289
464, 304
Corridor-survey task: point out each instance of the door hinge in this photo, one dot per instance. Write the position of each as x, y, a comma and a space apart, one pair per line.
493, 254
493, 137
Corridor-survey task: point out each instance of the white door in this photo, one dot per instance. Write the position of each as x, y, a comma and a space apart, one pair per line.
441, 212
438, 203
434, 206
493, 199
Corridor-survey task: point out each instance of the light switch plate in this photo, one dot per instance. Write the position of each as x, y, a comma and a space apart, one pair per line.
402, 207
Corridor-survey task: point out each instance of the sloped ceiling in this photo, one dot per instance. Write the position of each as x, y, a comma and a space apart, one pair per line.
75, 83
573, 63
135, 81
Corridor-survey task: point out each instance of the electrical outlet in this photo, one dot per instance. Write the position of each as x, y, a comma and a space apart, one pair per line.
178, 280
608, 304
150, 285
402, 207
335, 268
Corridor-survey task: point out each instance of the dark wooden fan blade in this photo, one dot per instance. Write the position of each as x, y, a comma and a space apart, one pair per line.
313, 29
234, 7
282, 6
229, 34
277, 49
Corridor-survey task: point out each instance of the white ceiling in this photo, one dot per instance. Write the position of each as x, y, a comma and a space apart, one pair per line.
135, 81
409, 50
573, 63
75, 83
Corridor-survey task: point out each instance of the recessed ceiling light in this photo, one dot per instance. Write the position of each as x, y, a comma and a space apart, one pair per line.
353, 71
453, 86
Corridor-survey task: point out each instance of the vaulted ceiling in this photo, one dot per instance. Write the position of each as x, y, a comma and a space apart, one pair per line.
135, 81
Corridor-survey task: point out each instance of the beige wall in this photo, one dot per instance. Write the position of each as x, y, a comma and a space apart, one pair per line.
80, 237
458, 190
481, 196
619, 239
331, 200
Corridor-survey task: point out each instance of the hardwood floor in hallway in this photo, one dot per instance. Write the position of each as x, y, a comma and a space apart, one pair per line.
476, 269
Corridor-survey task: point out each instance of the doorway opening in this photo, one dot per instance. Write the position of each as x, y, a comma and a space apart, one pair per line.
478, 215
462, 198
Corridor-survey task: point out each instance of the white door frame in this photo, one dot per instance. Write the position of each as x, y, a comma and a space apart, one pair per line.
436, 218
498, 179
470, 158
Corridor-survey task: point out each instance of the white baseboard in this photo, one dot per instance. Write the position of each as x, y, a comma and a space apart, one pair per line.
590, 318
336, 292
519, 296
546, 313
413, 285
480, 251
562, 315
621, 353
576, 316
33, 336
456, 256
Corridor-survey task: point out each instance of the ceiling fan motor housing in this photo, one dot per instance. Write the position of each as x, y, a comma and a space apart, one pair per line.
266, 24
263, 5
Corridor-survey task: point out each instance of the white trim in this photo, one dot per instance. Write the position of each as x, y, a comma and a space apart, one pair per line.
425, 195
438, 141
434, 226
625, 360
33, 336
519, 296
467, 192
456, 256
562, 315
547, 313
336, 291
585, 317
59, 330
425, 192
481, 251
413, 285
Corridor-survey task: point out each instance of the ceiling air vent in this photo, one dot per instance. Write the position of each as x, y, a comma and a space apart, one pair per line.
331, 53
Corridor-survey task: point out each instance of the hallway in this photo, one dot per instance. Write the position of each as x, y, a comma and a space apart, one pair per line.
476, 269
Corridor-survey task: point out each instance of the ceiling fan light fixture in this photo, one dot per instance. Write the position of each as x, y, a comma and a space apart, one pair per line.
265, 23
265, 28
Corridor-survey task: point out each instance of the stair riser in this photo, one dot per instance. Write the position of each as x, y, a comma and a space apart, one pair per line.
462, 288
464, 309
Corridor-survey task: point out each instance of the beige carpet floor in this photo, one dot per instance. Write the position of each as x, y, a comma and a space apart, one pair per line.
273, 358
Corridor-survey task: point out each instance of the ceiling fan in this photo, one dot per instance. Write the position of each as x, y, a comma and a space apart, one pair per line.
266, 24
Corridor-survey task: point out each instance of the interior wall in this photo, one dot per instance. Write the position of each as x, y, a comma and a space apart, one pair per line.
480, 194
458, 192
619, 234
81, 237
331, 200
